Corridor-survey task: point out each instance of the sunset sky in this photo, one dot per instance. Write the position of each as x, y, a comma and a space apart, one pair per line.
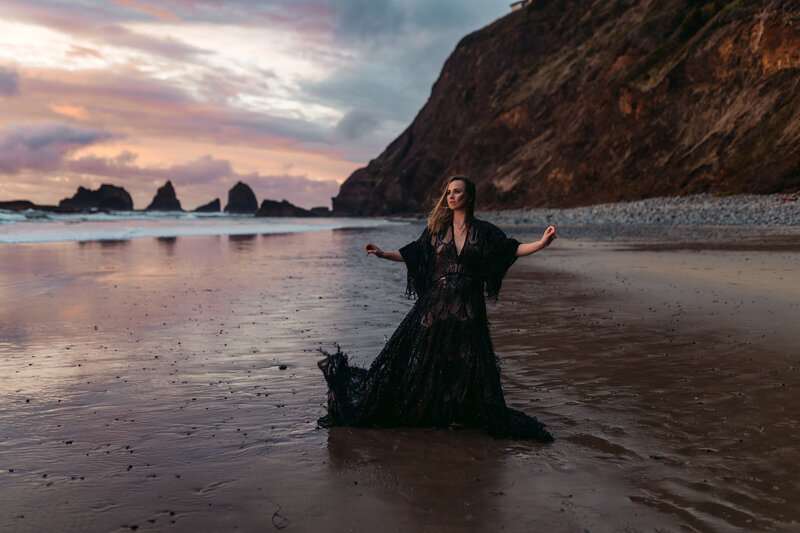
288, 96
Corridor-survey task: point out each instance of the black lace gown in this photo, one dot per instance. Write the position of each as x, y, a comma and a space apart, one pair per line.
439, 368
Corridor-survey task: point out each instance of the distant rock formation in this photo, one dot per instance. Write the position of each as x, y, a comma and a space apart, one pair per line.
107, 197
321, 211
165, 199
24, 205
572, 103
17, 205
271, 208
241, 199
211, 207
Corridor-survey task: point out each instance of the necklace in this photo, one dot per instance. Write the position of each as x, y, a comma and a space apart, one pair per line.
459, 231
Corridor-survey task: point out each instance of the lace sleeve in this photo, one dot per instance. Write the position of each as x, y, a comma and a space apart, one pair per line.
499, 254
417, 256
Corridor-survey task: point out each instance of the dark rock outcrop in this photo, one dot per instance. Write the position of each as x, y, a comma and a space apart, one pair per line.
24, 205
107, 197
211, 207
574, 102
321, 211
17, 205
271, 208
241, 199
165, 199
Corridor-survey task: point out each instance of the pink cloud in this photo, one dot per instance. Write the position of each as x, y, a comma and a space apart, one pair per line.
82, 51
155, 107
9, 82
157, 12
98, 25
43, 146
76, 112
203, 170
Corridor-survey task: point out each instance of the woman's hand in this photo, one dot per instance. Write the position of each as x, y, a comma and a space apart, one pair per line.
377, 252
374, 250
549, 235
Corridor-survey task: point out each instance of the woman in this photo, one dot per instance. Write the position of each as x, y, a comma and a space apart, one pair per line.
439, 368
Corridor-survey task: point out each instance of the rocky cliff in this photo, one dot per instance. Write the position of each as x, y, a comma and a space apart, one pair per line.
573, 102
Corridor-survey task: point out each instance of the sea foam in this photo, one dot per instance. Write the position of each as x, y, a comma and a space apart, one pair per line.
37, 226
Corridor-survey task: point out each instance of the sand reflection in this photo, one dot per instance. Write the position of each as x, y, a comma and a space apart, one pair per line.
433, 478
193, 363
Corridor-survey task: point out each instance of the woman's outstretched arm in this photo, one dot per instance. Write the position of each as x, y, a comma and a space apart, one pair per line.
377, 252
528, 248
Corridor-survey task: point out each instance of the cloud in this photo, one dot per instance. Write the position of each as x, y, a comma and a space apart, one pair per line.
364, 88
43, 146
331, 80
99, 23
9, 82
73, 111
203, 170
356, 123
445, 15
304, 15
157, 107
170, 48
154, 11
370, 19
119, 89
299, 190
397, 49
384, 57
82, 51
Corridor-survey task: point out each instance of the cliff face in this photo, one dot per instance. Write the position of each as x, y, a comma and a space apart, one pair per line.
573, 102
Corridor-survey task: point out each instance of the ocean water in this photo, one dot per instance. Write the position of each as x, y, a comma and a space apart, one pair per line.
39, 226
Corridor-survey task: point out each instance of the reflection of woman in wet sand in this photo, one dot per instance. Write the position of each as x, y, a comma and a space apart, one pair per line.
439, 368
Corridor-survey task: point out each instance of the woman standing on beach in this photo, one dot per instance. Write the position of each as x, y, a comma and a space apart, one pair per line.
439, 368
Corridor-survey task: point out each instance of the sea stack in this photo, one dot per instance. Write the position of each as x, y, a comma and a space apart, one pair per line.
107, 197
241, 200
271, 208
211, 207
165, 199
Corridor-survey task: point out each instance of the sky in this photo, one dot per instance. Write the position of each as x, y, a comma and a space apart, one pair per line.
289, 96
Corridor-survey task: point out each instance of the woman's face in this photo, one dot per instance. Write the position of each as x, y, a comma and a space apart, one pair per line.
456, 195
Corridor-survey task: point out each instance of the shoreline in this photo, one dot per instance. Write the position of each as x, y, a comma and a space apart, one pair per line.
759, 221
768, 210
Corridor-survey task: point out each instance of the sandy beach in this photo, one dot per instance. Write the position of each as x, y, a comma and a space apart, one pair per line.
171, 384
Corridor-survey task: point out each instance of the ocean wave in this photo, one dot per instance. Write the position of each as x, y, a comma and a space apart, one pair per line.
35, 227
32, 214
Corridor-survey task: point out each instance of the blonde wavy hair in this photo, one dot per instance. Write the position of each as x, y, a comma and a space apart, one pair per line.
441, 215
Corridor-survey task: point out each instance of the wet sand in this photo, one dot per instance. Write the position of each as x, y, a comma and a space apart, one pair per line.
170, 384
